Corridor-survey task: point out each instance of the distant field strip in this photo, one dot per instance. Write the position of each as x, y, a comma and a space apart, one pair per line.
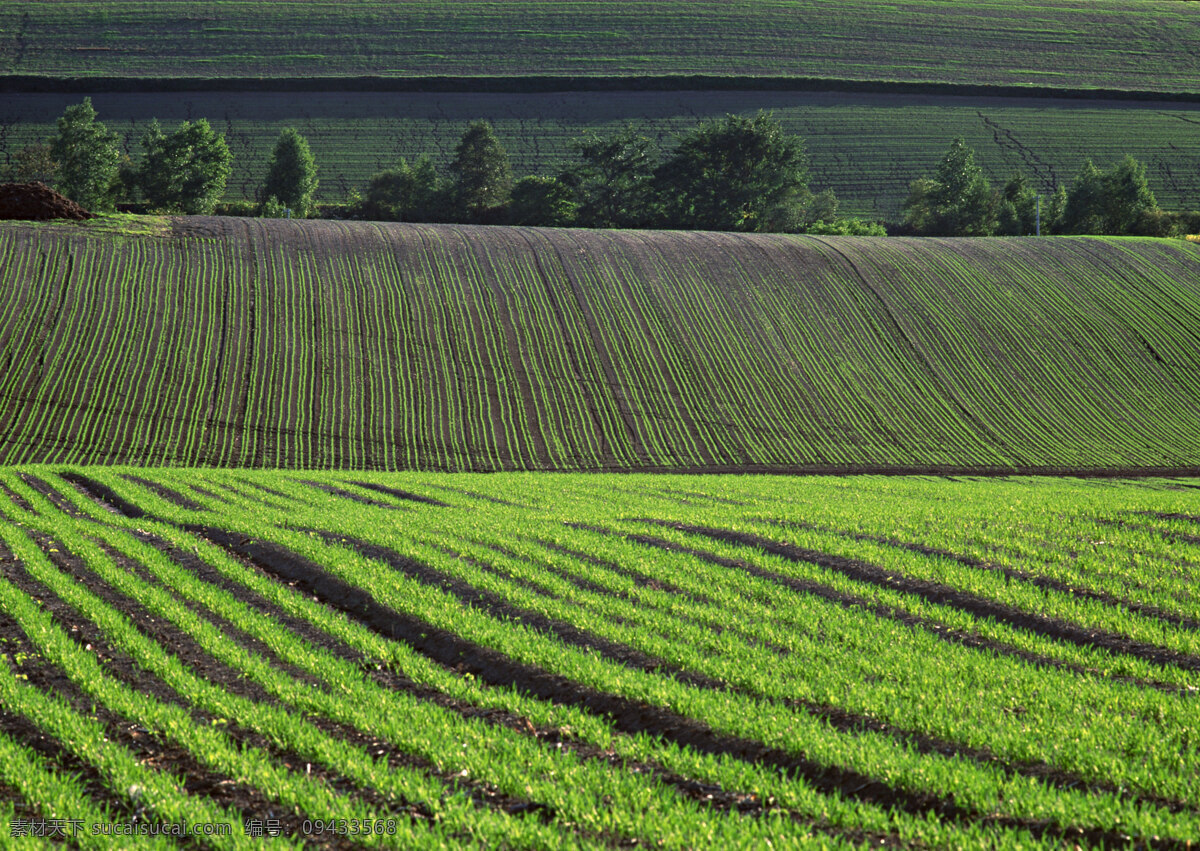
253, 343
536, 661
867, 148
1146, 45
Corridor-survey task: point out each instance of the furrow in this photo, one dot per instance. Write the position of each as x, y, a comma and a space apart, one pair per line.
849, 601
1015, 574
949, 596
626, 715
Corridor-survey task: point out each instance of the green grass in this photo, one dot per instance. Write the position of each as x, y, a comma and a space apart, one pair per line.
359, 345
1037, 737
1101, 43
867, 148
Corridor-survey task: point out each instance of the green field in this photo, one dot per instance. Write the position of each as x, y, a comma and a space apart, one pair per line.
1146, 45
340, 534
260, 343
867, 148
543, 661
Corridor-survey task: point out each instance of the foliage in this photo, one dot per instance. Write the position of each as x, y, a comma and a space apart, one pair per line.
409, 193
612, 179
34, 163
243, 209
88, 157
1108, 202
890, 147
480, 175
1019, 209
273, 208
846, 227
185, 171
737, 173
542, 202
957, 201
292, 174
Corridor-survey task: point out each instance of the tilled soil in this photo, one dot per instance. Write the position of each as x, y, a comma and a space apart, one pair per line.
38, 202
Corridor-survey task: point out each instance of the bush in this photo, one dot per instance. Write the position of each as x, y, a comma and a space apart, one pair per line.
186, 171
236, 208
542, 201
410, 193
847, 227
273, 208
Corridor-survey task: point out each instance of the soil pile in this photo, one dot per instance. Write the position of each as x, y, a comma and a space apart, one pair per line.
37, 202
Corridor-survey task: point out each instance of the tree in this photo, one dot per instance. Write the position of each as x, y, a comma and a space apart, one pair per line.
613, 180
957, 201
481, 175
34, 163
292, 175
185, 171
736, 173
1018, 212
542, 201
918, 206
410, 193
1108, 202
88, 158
964, 204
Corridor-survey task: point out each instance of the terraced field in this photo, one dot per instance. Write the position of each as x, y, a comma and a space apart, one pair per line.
548, 661
252, 343
867, 147
1146, 45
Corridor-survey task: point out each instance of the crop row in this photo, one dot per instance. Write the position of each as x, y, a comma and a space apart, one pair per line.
583, 660
868, 148
1049, 43
367, 346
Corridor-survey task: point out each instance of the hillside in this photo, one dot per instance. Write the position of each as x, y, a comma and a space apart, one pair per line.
1055, 43
227, 342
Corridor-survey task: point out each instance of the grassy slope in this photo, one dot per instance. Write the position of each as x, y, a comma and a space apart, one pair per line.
1100, 43
867, 148
435, 347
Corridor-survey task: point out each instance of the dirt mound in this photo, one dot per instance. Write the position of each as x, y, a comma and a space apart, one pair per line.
38, 202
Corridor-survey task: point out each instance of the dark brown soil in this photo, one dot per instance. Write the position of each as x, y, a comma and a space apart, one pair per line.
166, 493
38, 202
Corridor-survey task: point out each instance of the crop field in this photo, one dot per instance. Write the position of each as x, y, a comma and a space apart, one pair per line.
1147, 45
867, 148
547, 660
258, 343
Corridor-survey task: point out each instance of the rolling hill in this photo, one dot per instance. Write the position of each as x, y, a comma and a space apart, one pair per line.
226, 342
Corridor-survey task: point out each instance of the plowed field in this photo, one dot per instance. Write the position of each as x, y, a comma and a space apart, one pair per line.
1146, 45
252, 343
539, 661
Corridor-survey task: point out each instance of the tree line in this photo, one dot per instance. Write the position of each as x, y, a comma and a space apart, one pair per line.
960, 201
738, 173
